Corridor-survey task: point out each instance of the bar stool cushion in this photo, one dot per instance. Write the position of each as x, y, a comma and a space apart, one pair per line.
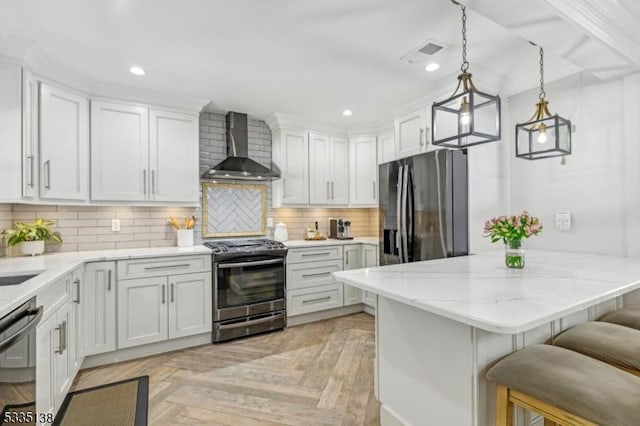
574, 382
629, 317
611, 343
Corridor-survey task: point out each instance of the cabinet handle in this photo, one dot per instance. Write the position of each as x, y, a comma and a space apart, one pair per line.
144, 181
319, 299
64, 336
164, 290
319, 274
326, 253
328, 191
347, 254
30, 157
109, 280
77, 283
153, 182
333, 194
421, 137
47, 174
182, 265
284, 188
374, 189
172, 299
59, 330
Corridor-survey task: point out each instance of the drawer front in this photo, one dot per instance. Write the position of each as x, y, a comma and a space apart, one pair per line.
314, 254
162, 266
314, 299
55, 294
302, 275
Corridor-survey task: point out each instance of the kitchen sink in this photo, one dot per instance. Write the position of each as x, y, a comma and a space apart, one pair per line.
15, 279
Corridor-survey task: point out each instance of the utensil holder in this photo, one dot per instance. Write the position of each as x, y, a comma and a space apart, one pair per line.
185, 237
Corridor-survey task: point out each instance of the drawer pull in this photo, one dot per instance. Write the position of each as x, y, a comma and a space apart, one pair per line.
109, 280
319, 299
77, 283
319, 274
326, 253
182, 265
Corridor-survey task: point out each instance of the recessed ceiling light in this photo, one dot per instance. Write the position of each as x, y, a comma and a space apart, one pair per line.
432, 67
347, 112
136, 70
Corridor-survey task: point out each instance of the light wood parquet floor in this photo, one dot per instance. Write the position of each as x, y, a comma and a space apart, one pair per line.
313, 374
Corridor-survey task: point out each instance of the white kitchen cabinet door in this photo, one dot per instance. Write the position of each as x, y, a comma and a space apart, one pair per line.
64, 144
291, 155
386, 148
339, 166
119, 152
30, 159
98, 302
319, 170
46, 336
62, 364
411, 133
10, 132
370, 259
142, 311
76, 347
173, 157
352, 260
363, 172
190, 304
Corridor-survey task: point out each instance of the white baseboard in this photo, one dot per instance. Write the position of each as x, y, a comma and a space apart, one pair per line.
322, 315
146, 350
370, 310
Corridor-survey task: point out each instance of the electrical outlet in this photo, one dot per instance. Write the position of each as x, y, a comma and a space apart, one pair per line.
563, 220
269, 222
115, 225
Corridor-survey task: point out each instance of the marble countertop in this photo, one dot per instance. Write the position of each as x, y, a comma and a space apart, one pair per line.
50, 267
330, 242
479, 291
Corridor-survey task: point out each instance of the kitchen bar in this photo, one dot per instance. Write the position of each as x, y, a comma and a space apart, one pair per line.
440, 324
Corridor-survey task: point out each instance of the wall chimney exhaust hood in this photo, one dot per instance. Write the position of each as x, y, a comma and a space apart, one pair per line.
238, 165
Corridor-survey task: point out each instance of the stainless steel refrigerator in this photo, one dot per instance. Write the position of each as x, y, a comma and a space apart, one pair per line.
424, 207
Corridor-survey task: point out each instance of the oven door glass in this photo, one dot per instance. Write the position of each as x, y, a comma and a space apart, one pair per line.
250, 280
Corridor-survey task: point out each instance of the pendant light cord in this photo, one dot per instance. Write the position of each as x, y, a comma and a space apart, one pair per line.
542, 92
465, 63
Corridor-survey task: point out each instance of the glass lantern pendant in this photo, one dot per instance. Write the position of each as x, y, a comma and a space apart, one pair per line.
468, 117
545, 135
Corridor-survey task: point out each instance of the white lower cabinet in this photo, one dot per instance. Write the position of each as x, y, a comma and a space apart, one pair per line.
154, 309
312, 299
370, 259
352, 260
98, 301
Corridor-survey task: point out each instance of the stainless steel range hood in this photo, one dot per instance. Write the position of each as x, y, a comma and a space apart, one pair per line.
238, 165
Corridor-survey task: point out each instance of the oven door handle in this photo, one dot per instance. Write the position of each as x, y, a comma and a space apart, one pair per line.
30, 326
250, 322
243, 264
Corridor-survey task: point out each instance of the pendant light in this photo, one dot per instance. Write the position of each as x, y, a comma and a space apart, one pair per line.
468, 117
544, 135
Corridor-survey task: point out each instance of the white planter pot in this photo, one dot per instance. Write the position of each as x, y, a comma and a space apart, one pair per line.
31, 248
185, 237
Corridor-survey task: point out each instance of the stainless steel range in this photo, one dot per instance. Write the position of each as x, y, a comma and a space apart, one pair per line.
248, 287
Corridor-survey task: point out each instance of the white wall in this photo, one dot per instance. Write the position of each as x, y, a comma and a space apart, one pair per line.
592, 184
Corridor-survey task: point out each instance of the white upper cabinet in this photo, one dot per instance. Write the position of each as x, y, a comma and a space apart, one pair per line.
411, 133
319, 170
174, 157
291, 155
64, 144
10, 132
30, 159
328, 170
386, 148
119, 152
363, 172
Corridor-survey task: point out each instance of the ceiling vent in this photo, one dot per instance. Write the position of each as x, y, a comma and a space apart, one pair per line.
423, 53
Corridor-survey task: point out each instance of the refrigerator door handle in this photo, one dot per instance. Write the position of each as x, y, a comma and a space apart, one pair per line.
399, 215
405, 248
409, 211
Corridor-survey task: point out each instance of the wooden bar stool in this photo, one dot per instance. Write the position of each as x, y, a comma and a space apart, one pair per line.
611, 343
629, 317
565, 387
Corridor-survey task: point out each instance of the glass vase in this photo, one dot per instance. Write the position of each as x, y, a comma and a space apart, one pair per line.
514, 254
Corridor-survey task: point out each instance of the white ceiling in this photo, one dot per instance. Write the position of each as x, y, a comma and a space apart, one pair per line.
305, 58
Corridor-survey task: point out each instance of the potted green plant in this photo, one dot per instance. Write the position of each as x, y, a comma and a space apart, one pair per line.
32, 236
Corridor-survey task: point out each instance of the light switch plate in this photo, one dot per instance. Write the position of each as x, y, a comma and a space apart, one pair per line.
269, 222
115, 225
563, 220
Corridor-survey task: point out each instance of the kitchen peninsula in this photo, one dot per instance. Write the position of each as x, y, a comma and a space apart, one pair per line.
440, 324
